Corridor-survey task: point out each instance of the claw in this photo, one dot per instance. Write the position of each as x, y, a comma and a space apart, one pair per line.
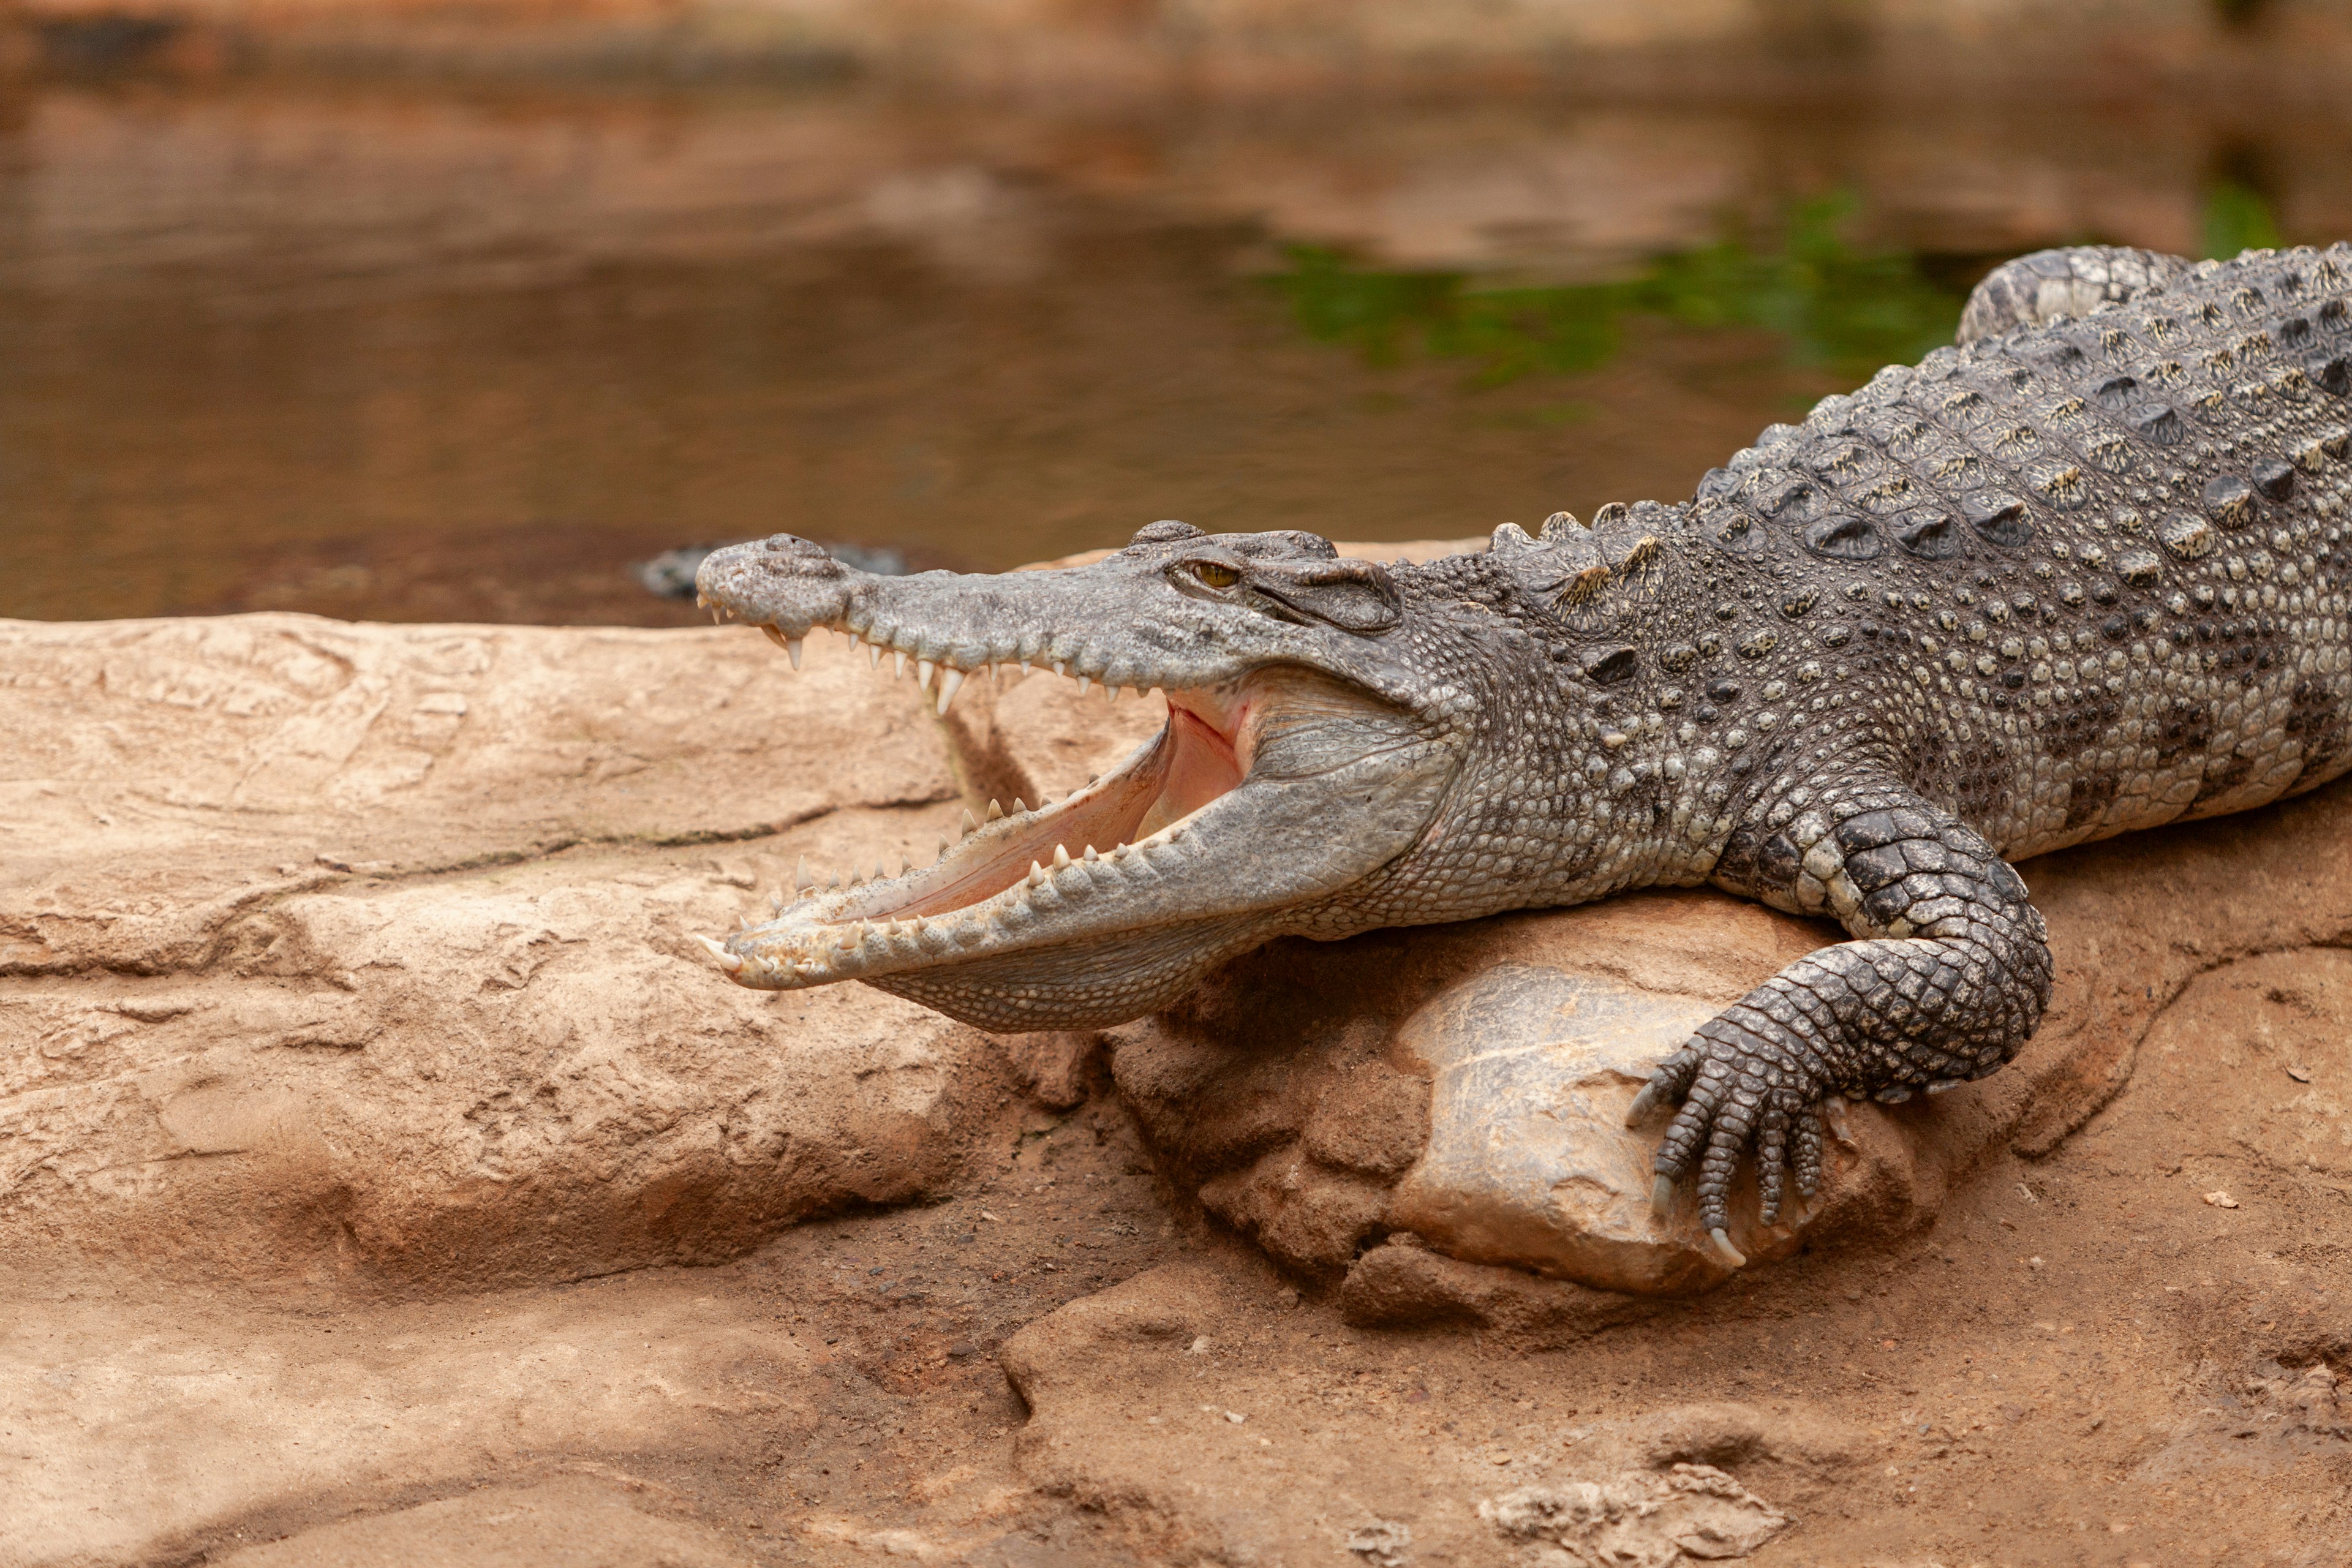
1661, 1197
1730, 1253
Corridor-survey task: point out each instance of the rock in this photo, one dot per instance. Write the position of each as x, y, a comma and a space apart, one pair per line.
163, 776
273, 1007
203, 1412
1694, 1512
570, 1521
1403, 1284
1465, 1083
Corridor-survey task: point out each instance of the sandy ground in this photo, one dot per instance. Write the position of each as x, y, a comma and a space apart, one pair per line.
2104, 1357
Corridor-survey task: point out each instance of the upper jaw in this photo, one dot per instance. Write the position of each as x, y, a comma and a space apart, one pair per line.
1118, 622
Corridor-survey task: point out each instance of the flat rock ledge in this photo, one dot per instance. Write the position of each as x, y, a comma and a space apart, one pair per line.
363, 955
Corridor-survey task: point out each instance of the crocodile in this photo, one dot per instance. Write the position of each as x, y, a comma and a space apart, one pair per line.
2082, 572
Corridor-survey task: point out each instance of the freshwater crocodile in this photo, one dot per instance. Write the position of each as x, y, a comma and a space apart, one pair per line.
2083, 572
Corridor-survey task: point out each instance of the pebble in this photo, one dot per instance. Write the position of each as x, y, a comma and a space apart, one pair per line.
2221, 1200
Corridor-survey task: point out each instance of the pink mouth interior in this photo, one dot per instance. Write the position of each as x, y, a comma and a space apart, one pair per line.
1189, 764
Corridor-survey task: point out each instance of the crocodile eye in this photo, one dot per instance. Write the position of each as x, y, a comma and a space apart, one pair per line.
1215, 573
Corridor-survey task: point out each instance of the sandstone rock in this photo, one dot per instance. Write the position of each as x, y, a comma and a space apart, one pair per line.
161, 776
1401, 1284
568, 1522
272, 1006
1694, 1512
189, 1417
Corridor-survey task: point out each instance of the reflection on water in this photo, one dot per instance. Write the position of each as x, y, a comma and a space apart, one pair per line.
1832, 305
421, 354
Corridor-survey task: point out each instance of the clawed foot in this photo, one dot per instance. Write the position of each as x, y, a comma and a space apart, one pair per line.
1737, 1092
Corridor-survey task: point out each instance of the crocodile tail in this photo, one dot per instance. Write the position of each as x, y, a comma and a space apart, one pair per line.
2050, 285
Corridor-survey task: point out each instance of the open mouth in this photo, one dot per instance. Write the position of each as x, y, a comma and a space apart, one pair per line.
998, 880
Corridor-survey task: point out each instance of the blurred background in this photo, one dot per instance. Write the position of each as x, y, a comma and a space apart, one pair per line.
410, 311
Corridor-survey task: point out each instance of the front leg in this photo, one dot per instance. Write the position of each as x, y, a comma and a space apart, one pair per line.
1947, 983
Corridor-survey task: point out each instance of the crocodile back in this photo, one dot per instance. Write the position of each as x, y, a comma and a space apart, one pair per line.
2087, 577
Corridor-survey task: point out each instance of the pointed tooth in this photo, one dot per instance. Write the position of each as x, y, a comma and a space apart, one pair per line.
949, 684
901, 668
833, 886
995, 811
802, 880
773, 634
922, 675
792, 651
726, 961
873, 656
1020, 806
1036, 873
715, 617
1086, 684
1091, 857
906, 863
1061, 668
703, 601
1110, 695
943, 848
881, 870
1024, 669
919, 925
851, 935
968, 825
1061, 856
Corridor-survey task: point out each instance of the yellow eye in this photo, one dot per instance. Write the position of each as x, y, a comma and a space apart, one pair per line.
1215, 573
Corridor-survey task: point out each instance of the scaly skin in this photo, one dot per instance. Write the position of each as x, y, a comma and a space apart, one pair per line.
2084, 574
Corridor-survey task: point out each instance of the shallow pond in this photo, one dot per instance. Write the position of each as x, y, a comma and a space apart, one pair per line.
423, 354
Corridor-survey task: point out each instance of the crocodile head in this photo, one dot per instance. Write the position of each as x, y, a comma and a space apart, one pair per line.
1319, 713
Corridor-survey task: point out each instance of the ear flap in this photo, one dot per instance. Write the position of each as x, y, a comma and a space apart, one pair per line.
1354, 596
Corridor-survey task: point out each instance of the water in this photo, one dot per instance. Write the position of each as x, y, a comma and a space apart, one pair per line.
423, 354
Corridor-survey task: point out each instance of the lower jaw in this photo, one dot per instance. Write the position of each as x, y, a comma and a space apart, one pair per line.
1080, 985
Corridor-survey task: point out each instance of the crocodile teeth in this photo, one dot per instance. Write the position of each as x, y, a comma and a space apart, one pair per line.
1085, 683
729, 962
968, 825
1020, 807
995, 811
1091, 857
1061, 856
902, 658
873, 656
1036, 873
922, 675
949, 684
